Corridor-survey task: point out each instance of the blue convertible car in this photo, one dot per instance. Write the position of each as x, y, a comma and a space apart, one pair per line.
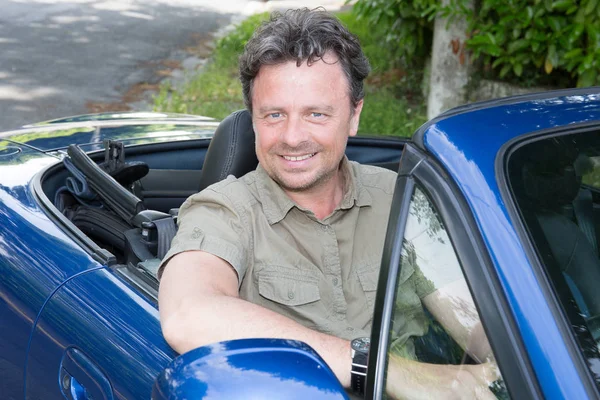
503, 195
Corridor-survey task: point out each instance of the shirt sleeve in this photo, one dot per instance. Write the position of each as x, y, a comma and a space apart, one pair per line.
210, 221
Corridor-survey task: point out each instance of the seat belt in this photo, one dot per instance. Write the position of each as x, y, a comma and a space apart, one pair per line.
583, 206
166, 230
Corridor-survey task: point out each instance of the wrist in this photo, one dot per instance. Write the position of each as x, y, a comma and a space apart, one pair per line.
360, 357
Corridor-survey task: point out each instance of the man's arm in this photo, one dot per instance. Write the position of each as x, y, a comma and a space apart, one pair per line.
453, 307
199, 304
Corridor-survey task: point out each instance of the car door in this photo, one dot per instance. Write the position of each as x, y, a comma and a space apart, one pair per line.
434, 251
97, 337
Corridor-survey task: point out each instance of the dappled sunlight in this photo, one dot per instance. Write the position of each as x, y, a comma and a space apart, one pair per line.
138, 15
70, 57
16, 93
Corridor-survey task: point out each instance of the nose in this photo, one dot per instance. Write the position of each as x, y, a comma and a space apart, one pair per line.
294, 131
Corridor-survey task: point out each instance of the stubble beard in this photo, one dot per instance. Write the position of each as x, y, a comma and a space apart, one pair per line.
321, 177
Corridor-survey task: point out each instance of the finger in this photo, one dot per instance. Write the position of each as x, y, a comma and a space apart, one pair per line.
484, 393
491, 372
487, 373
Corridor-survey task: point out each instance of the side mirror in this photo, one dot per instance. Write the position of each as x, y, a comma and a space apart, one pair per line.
249, 369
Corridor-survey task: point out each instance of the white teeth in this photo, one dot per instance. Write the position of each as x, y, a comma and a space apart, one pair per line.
300, 158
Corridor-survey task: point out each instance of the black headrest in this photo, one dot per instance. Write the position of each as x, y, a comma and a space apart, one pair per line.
231, 150
549, 174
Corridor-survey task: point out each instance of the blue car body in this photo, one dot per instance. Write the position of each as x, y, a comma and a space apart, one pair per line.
76, 324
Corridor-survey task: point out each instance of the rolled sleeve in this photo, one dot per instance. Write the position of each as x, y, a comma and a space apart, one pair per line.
209, 221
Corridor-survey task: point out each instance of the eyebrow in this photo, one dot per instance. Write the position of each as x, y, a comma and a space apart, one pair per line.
326, 108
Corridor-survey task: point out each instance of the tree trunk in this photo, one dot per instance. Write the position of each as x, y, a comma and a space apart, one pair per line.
449, 65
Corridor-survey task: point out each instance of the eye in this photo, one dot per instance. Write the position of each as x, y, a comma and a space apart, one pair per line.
317, 114
274, 115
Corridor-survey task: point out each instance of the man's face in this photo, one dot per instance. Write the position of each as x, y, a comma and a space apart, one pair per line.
302, 117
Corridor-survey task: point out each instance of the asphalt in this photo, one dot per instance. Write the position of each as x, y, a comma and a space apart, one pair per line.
68, 57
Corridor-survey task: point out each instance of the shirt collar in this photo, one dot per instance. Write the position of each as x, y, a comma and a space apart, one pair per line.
276, 203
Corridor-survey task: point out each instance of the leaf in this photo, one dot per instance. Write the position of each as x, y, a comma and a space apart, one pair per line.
552, 56
497, 62
591, 6
561, 5
505, 70
517, 45
516, 32
588, 61
548, 4
554, 23
576, 32
492, 50
535, 46
588, 78
580, 16
593, 34
529, 13
548, 66
518, 69
529, 34
573, 53
539, 13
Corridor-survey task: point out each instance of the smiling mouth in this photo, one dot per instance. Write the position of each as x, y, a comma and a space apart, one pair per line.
299, 158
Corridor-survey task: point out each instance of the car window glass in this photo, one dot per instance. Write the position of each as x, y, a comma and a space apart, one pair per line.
434, 320
555, 183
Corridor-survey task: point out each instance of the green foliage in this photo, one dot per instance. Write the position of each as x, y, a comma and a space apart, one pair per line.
386, 114
527, 41
216, 90
407, 26
548, 36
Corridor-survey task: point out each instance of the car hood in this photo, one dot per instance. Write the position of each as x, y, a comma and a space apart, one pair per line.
89, 131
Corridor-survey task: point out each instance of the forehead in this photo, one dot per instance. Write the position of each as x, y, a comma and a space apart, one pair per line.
323, 79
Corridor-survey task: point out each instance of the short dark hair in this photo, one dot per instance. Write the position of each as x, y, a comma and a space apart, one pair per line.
303, 35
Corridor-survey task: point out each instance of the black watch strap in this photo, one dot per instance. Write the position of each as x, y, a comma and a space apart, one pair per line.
358, 373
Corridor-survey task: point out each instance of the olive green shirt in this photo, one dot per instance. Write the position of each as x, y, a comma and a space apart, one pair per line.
320, 273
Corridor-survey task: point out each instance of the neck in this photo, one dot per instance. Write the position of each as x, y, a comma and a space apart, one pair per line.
322, 200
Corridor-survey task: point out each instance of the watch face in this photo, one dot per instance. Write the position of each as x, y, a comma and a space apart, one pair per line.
361, 344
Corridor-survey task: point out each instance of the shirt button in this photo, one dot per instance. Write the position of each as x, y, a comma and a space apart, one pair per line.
291, 295
324, 228
350, 328
335, 281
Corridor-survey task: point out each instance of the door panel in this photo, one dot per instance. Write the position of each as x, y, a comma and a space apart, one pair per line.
99, 334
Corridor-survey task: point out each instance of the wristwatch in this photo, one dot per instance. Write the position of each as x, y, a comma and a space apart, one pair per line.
360, 356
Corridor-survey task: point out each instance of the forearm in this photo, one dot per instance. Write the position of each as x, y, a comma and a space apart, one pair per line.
409, 379
185, 330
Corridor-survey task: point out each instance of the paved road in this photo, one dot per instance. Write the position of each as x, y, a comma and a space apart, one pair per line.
67, 57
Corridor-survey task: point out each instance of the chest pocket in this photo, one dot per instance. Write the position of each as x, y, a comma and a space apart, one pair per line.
289, 287
368, 276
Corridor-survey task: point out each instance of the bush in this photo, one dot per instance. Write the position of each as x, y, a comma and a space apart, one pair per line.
405, 25
529, 42
552, 36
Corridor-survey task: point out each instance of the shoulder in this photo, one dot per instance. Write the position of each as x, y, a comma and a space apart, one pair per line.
238, 192
374, 179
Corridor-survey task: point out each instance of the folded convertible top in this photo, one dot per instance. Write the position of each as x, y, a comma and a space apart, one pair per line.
114, 196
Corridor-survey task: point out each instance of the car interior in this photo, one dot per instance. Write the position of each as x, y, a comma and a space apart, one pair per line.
556, 187
127, 206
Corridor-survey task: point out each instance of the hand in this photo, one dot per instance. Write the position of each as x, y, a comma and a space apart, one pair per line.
407, 379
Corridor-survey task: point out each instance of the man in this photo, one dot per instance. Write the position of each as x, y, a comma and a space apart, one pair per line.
291, 250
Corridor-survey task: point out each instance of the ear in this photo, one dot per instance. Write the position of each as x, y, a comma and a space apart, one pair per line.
355, 119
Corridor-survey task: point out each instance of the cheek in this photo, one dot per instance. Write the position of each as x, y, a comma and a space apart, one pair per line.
264, 140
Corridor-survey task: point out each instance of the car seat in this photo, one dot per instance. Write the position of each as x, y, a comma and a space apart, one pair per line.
231, 150
552, 186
